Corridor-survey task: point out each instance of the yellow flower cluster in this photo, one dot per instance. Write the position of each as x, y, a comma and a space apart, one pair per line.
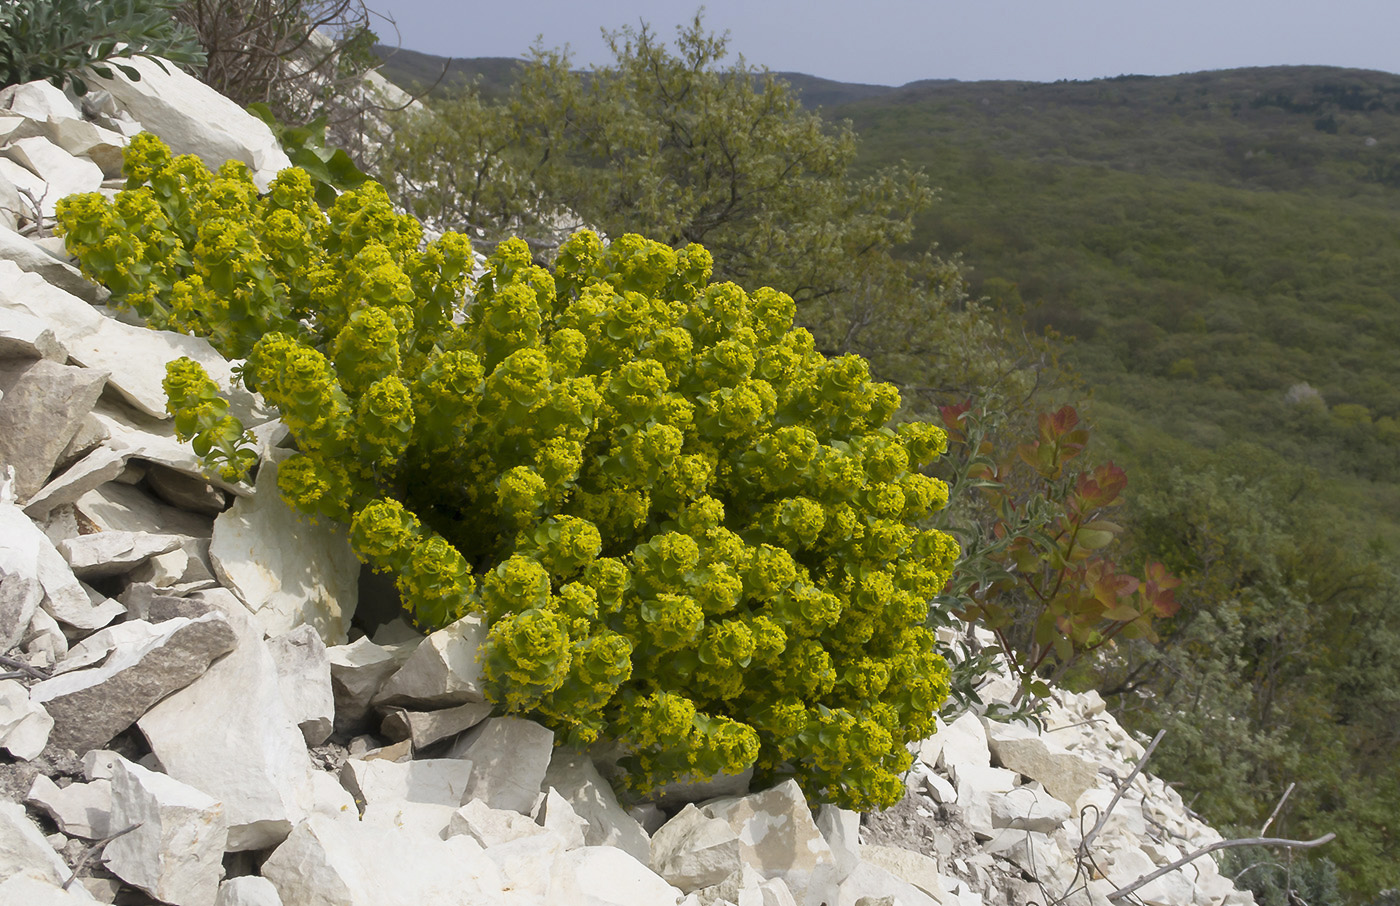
686, 528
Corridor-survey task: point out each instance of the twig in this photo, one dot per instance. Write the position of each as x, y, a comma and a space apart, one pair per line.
22, 668
1223, 844
92, 850
1274, 814
1122, 788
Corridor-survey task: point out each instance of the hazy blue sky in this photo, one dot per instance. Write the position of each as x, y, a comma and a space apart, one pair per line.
896, 41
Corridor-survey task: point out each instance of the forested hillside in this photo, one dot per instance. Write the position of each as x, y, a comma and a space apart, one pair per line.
1215, 256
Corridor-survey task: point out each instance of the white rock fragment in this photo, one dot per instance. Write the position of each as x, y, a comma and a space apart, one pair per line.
79, 809
695, 850
229, 734
23, 848
423, 728
868, 880
964, 743
175, 853
444, 670
92, 705
288, 571
911, 867
558, 816
490, 826
439, 781
604, 876
304, 671
193, 118
62, 173
1064, 774
575, 777
326, 862
511, 756
248, 890
841, 829
105, 554
357, 671
1028, 808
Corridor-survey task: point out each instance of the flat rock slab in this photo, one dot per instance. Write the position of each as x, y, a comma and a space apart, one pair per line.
229, 734
24, 849
33, 258
23, 336
193, 118
79, 809
175, 853
288, 571
780, 839
423, 728
91, 706
44, 404
439, 781
511, 756
304, 671
329, 862
573, 775
24, 724
1064, 774
444, 670
105, 554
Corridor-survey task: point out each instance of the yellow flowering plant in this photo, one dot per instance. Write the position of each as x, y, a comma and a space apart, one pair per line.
688, 531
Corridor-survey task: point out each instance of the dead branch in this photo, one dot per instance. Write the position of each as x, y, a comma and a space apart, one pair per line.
1223, 844
1122, 788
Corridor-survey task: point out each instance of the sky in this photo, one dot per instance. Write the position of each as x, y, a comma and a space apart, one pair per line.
891, 42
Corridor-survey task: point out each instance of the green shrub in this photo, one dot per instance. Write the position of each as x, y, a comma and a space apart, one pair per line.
56, 39
688, 531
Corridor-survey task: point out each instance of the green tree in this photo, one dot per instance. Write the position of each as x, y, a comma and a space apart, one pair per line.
674, 144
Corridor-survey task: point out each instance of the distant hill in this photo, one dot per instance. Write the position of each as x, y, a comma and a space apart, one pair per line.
414, 71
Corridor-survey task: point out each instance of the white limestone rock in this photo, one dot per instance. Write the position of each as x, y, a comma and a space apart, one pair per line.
24, 724
38, 100
1128, 864
193, 118
841, 829
325, 862
79, 809
605, 876
105, 554
964, 743
868, 880
29, 888
20, 595
1126, 818
444, 670
248, 890
24, 849
305, 674
288, 571
116, 507
23, 336
1028, 808
439, 781
526, 863
63, 173
558, 816
1064, 774
490, 826
911, 867
423, 728
511, 755
134, 357
779, 838
574, 776
81, 138
357, 671
695, 850
90, 706
44, 404
176, 851
229, 734
35, 259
